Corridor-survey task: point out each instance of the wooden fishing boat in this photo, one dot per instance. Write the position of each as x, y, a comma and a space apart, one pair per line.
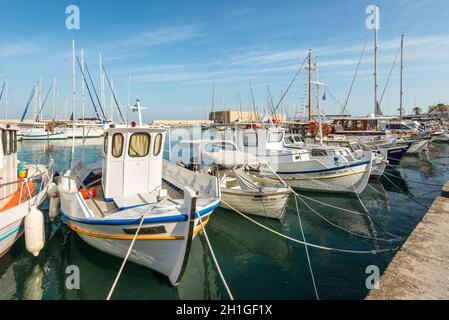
138, 194
18, 193
240, 189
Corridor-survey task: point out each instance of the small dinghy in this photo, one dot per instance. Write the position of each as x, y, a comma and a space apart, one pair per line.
240, 189
23, 187
134, 193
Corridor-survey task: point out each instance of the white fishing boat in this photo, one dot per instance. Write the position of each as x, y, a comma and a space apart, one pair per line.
135, 193
322, 169
441, 136
240, 189
21, 191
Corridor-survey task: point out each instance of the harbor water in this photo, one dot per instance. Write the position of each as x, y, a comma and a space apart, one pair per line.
257, 264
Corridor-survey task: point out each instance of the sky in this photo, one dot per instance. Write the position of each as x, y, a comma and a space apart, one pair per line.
175, 52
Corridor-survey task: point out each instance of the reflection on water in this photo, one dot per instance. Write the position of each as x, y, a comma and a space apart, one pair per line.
256, 264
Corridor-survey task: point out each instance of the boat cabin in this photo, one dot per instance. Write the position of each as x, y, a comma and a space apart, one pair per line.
258, 140
132, 163
8, 163
359, 125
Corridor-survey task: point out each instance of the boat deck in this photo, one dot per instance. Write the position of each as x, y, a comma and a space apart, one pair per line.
109, 207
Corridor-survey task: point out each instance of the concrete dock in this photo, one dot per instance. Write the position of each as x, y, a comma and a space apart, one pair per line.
420, 270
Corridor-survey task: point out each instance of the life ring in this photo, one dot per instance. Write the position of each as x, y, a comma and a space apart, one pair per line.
313, 126
327, 129
91, 192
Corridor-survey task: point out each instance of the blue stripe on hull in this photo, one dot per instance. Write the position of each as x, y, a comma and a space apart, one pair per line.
327, 170
10, 233
396, 155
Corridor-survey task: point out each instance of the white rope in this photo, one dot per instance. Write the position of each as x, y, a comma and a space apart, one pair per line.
343, 229
307, 250
111, 291
309, 244
215, 260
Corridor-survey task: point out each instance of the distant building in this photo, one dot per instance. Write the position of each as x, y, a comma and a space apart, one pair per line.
230, 116
181, 123
440, 110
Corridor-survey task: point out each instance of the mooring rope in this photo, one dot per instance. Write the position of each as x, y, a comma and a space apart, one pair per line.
308, 243
411, 197
111, 291
307, 250
344, 229
415, 181
215, 260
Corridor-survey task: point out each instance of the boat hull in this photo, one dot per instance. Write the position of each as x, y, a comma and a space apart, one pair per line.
270, 205
43, 136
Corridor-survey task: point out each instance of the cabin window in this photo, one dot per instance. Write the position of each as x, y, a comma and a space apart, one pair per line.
105, 145
139, 145
13, 141
318, 153
250, 140
157, 145
275, 136
117, 145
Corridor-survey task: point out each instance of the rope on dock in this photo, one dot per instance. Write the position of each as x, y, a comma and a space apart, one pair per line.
307, 250
215, 260
111, 291
308, 243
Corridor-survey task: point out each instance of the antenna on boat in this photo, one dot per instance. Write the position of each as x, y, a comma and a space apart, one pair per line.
137, 107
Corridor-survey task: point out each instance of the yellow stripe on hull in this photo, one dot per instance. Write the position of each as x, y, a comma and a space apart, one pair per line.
200, 227
121, 237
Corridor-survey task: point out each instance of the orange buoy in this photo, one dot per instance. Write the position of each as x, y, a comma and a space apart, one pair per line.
91, 192
313, 126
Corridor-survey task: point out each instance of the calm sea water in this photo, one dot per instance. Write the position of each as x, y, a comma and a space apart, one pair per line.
256, 264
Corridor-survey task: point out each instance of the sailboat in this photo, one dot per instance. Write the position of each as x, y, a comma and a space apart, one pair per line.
20, 190
240, 189
134, 193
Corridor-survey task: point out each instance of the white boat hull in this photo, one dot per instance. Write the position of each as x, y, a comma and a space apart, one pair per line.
442, 138
419, 146
43, 136
272, 205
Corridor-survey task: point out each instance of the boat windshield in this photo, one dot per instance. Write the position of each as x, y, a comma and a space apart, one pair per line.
219, 146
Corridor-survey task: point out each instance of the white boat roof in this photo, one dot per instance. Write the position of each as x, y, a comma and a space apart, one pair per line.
365, 118
228, 159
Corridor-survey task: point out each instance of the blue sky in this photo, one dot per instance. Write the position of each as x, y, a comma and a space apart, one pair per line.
175, 50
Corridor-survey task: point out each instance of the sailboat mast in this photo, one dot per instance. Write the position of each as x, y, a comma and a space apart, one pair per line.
401, 100
54, 98
310, 85
73, 101
320, 130
6, 99
376, 101
83, 84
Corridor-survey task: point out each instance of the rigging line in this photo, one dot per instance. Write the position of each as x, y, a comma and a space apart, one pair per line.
307, 250
113, 94
3, 89
355, 74
377, 251
389, 76
95, 91
291, 83
43, 104
33, 92
87, 86
111, 291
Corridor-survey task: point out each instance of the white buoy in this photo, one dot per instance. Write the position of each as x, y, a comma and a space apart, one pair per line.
34, 231
53, 194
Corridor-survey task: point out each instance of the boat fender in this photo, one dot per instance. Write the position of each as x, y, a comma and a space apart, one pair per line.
337, 159
86, 193
34, 231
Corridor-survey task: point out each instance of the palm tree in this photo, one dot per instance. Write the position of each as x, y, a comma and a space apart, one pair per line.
417, 110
